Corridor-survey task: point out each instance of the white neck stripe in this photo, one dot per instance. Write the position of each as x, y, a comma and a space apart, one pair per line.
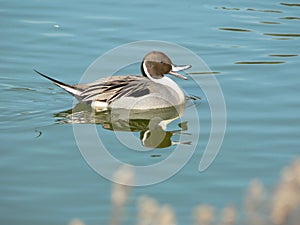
146, 71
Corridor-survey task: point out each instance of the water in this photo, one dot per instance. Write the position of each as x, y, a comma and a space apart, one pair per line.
253, 47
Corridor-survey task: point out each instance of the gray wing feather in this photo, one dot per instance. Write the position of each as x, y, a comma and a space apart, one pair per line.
113, 89
128, 91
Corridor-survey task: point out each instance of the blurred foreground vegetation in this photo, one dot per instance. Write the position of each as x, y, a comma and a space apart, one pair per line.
279, 206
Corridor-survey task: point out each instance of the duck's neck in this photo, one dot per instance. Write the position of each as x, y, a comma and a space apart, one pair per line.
165, 81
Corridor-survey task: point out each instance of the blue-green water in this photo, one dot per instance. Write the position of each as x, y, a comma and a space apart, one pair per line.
253, 45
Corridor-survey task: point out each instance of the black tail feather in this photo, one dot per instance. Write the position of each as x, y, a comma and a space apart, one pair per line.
69, 88
53, 80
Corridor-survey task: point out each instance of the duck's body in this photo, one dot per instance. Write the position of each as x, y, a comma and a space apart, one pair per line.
153, 90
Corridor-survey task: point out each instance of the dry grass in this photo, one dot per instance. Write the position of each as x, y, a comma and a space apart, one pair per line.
280, 206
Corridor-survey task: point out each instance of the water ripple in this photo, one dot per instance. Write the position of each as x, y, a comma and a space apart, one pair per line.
282, 34
269, 22
290, 18
37, 21
58, 34
234, 29
229, 8
203, 73
264, 10
259, 62
283, 55
290, 4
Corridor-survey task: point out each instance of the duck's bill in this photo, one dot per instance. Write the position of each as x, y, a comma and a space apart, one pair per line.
175, 69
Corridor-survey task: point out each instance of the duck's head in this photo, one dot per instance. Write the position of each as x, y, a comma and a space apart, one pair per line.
155, 64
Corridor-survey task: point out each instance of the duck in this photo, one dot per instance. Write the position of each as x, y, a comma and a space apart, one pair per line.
150, 90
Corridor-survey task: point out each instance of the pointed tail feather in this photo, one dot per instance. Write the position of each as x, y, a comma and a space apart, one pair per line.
69, 88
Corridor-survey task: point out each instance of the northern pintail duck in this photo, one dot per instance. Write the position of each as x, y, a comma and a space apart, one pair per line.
153, 90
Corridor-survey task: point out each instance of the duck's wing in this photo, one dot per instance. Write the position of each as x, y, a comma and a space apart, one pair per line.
112, 88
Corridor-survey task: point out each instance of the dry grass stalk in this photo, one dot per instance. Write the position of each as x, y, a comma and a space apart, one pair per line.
286, 199
76, 222
151, 213
124, 178
228, 216
255, 203
148, 209
204, 215
165, 216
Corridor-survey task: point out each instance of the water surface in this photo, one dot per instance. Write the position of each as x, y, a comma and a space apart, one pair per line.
251, 47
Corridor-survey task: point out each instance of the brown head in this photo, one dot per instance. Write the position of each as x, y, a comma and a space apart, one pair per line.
155, 64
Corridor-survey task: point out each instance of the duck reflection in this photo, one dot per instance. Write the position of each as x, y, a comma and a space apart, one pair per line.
152, 124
